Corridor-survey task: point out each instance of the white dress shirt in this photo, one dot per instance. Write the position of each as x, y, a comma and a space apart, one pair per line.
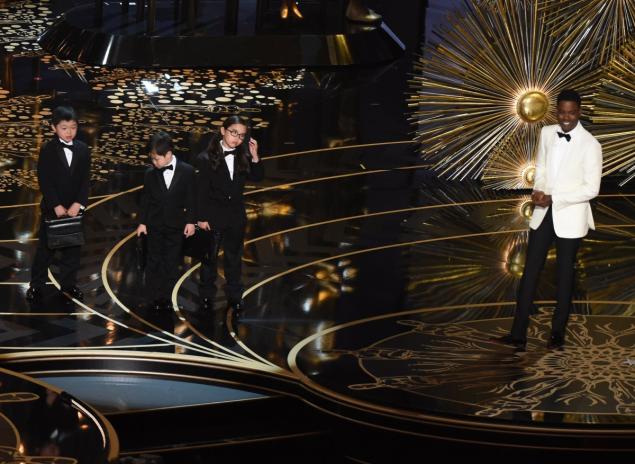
168, 174
560, 149
229, 160
67, 151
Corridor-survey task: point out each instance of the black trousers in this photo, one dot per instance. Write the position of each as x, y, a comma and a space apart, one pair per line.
540, 240
231, 240
162, 262
68, 262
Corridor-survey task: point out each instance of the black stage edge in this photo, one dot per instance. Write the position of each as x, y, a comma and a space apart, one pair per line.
262, 39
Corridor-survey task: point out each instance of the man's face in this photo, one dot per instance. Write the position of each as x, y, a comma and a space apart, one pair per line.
66, 130
568, 113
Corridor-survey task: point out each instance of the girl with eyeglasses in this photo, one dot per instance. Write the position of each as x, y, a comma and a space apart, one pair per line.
230, 160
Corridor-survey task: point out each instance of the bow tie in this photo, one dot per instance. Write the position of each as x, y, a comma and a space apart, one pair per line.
164, 168
566, 136
66, 145
229, 152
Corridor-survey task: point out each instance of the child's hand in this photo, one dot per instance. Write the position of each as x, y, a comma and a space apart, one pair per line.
253, 150
60, 211
74, 210
189, 230
203, 225
141, 229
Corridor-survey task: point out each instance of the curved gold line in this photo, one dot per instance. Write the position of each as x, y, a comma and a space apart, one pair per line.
121, 324
345, 147
16, 432
155, 357
113, 451
232, 333
337, 176
509, 428
104, 279
79, 348
361, 404
114, 195
181, 317
22, 205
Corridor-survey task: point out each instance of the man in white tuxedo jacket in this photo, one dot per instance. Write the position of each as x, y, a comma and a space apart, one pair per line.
568, 173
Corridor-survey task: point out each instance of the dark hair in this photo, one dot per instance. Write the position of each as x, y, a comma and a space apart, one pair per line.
64, 113
160, 143
569, 95
215, 152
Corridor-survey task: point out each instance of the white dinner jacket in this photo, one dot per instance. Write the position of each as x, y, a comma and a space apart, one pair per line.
577, 181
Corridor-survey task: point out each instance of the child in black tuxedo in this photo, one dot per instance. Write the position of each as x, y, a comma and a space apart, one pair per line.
230, 159
167, 214
63, 172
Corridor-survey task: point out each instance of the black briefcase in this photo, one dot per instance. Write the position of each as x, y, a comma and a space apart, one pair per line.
64, 232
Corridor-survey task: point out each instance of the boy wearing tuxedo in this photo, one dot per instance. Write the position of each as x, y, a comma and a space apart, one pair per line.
63, 172
167, 215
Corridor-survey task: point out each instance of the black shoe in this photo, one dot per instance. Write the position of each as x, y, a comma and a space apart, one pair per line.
555, 342
33, 294
73, 292
519, 345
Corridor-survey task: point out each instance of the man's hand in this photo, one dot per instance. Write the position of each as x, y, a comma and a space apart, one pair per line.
540, 199
141, 229
189, 230
203, 225
74, 209
537, 195
60, 211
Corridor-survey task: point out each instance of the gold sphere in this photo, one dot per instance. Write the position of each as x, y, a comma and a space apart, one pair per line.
527, 209
516, 262
529, 175
532, 106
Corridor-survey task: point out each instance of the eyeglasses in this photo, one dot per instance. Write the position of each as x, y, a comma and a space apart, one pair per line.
235, 133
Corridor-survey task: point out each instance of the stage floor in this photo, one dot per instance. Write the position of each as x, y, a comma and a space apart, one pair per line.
369, 281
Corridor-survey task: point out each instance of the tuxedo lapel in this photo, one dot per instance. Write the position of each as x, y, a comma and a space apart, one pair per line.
178, 172
61, 155
160, 180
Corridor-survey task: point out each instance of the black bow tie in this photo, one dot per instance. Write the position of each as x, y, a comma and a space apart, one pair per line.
229, 152
70, 146
566, 136
163, 169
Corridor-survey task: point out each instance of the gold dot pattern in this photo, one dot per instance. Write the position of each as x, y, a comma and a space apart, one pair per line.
21, 23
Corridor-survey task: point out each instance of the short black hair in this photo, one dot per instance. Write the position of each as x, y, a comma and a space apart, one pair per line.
64, 113
569, 95
160, 143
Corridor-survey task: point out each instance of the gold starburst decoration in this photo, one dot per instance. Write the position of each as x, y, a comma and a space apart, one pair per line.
494, 71
613, 116
512, 164
607, 24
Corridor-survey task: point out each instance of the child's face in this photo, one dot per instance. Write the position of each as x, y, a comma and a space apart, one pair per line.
159, 161
233, 135
66, 130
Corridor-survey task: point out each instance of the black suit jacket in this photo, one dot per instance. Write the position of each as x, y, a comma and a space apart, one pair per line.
60, 183
173, 207
220, 199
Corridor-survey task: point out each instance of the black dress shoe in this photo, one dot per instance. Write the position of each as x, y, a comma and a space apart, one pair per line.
73, 292
33, 294
519, 345
555, 342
